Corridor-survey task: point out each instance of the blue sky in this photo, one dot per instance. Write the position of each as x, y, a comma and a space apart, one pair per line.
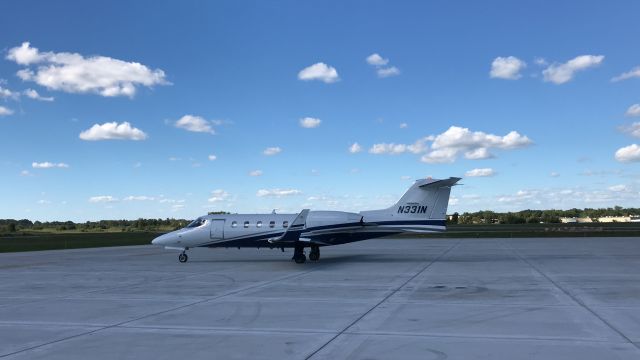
113, 110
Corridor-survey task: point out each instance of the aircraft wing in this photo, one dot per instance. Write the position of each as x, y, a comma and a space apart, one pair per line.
294, 230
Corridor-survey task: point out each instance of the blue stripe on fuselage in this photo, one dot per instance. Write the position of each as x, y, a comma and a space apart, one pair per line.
250, 238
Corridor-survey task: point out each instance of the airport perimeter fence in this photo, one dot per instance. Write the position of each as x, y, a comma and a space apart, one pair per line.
538, 230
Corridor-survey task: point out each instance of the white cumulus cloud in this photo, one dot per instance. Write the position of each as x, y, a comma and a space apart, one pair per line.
48, 165
277, 192
212, 157
8, 94
390, 148
540, 61
139, 198
376, 60
4, 111
481, 172
618, 188
629, 153
633, 129
473, 144
355, 148
195, 124
562, 73
633, 110
456, 141
387, 72
255, 173
577, 197
112, 131
380, 64
164, 200
24, 54
102, 199
218, 195
395, 149
74, 73
319, 71
633, 73
478, 154
404, 126
32, 94
309, 122
272, 151
507, 68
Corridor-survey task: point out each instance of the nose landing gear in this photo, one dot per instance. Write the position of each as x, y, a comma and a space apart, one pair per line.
183, 257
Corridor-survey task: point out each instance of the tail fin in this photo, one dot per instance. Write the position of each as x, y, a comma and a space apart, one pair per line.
425, 199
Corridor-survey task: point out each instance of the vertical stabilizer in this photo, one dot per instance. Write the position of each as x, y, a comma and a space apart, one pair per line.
425, 199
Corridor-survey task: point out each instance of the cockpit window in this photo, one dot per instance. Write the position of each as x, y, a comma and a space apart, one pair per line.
197, 222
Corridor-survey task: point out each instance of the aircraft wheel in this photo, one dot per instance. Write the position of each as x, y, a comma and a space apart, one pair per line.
314, 255
300, 259
183, 258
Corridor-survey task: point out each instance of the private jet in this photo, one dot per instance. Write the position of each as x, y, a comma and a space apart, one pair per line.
422, 209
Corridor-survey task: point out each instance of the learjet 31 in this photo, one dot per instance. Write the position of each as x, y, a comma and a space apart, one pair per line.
422, 209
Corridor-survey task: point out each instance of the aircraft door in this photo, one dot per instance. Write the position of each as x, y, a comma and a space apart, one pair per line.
217, 229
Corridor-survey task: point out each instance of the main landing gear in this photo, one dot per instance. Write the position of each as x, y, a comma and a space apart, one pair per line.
299, 257
183, 257
314, 254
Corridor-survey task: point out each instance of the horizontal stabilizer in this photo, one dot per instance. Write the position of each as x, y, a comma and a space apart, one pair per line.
431, 183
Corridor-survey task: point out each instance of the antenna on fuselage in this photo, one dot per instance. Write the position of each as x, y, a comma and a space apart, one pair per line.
273, 212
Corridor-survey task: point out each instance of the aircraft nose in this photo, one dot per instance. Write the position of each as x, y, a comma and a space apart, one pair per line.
160, 240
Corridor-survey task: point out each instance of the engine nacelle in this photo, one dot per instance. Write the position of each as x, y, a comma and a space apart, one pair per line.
323, 218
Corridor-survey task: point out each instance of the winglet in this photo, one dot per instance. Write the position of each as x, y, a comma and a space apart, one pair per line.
299, 221
292, 234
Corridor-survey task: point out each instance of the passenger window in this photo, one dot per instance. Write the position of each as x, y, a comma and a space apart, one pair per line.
259, 224
234, 224
272, 223
285, 224
246, 224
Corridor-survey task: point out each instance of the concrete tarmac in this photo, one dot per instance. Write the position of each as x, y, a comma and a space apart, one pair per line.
510, 299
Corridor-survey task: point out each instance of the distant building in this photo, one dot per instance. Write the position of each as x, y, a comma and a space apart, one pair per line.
634, 218
610, 219
575, 220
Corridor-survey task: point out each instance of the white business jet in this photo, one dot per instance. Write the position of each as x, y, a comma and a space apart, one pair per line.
422, 209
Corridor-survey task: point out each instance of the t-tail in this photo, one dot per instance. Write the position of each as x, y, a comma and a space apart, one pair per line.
423, 208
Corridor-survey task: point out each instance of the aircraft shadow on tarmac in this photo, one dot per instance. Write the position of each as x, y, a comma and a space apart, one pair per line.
380, 258
329, 259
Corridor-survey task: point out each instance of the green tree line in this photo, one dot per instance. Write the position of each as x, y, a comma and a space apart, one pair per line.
12, 225
538, 216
